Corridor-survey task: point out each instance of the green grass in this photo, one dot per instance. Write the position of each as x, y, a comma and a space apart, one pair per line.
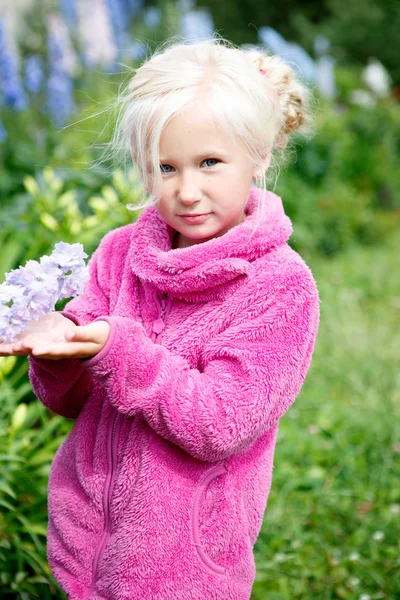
331, 528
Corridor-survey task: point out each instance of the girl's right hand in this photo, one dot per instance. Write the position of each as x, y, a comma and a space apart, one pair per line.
48, 329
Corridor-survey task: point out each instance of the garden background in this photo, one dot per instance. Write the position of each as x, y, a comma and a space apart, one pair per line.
331, 528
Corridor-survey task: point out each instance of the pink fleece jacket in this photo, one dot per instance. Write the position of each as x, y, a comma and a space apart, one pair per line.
159, 491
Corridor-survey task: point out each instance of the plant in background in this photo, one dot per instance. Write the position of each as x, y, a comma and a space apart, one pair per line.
29, 437
60, 88
47, 212
11, 90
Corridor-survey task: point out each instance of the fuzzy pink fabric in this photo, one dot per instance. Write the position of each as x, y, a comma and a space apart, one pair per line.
159, 491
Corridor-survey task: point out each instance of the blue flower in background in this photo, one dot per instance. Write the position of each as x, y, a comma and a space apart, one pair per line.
118, 21
152, 17
130, 8
69, 12
137, 50
13, 92
289, 52
197, 24
34, 75
133, 6
121, 12
3, 133
59, 85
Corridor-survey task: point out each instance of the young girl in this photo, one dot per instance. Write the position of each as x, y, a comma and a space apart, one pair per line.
191, 340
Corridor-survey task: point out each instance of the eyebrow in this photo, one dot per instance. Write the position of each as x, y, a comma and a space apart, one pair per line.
207, 153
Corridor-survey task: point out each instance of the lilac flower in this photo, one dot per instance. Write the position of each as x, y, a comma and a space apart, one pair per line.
152, 17
69, 12
59, 86
32, 272
3, 133
13, 92
197, 24
67, 256
74, 284
13, 311
131, 8
289, 51
120, 13
137, 50
96, 30
117, 20
34, 75
33, 290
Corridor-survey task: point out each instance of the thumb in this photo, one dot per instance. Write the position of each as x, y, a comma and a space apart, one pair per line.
81, 333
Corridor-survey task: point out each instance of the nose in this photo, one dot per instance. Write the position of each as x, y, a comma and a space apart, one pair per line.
189, 188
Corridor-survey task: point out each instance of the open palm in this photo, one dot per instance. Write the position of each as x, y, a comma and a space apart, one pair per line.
53, 336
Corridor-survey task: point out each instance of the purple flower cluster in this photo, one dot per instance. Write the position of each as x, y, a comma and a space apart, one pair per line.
69, 12
120, 13
60, 90
13, 92
34, 73
33, 290
131, 7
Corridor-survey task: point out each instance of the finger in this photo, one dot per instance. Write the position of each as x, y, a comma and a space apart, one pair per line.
22, 346
81, 333
12, 350
6, 349
69, 335
67, 350
20, 350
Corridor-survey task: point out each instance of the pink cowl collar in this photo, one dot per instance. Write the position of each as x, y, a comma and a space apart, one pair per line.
197, 272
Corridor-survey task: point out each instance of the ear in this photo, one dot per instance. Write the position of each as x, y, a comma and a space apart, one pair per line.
262, 167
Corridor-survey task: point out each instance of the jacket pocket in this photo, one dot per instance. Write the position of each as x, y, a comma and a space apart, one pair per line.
207, 515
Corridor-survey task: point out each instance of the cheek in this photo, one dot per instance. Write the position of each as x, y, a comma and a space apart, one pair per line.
164, 206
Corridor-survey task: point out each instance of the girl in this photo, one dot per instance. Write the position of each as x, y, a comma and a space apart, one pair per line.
191, 340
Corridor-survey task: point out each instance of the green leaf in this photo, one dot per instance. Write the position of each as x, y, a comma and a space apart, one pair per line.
4, 487
7, 505
49, 221
18, 417
31, 186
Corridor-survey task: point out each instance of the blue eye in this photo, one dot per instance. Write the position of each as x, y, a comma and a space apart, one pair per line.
214, 159
162, 166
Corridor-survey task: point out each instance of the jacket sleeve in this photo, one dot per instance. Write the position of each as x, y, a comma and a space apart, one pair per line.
64, 385
251, 374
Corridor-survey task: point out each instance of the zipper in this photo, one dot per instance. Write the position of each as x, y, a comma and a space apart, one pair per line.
164, 308
112, 443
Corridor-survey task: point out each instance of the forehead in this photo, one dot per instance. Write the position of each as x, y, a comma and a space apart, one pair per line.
194, 133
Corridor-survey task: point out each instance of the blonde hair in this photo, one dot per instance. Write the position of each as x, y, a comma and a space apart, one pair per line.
259, 110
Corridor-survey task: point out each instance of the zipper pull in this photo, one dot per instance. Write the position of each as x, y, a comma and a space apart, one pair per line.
158, 326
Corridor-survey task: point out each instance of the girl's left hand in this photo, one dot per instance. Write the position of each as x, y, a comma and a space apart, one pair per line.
81, 342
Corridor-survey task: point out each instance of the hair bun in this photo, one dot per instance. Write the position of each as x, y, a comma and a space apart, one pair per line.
292, 93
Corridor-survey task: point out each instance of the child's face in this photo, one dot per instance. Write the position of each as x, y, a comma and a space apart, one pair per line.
203, 171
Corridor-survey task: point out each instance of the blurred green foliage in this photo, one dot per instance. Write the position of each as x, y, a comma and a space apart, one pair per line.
357, 30
47, 213
29, 438
345, 185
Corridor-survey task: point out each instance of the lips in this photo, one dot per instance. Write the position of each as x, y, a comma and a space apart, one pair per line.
194, 219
